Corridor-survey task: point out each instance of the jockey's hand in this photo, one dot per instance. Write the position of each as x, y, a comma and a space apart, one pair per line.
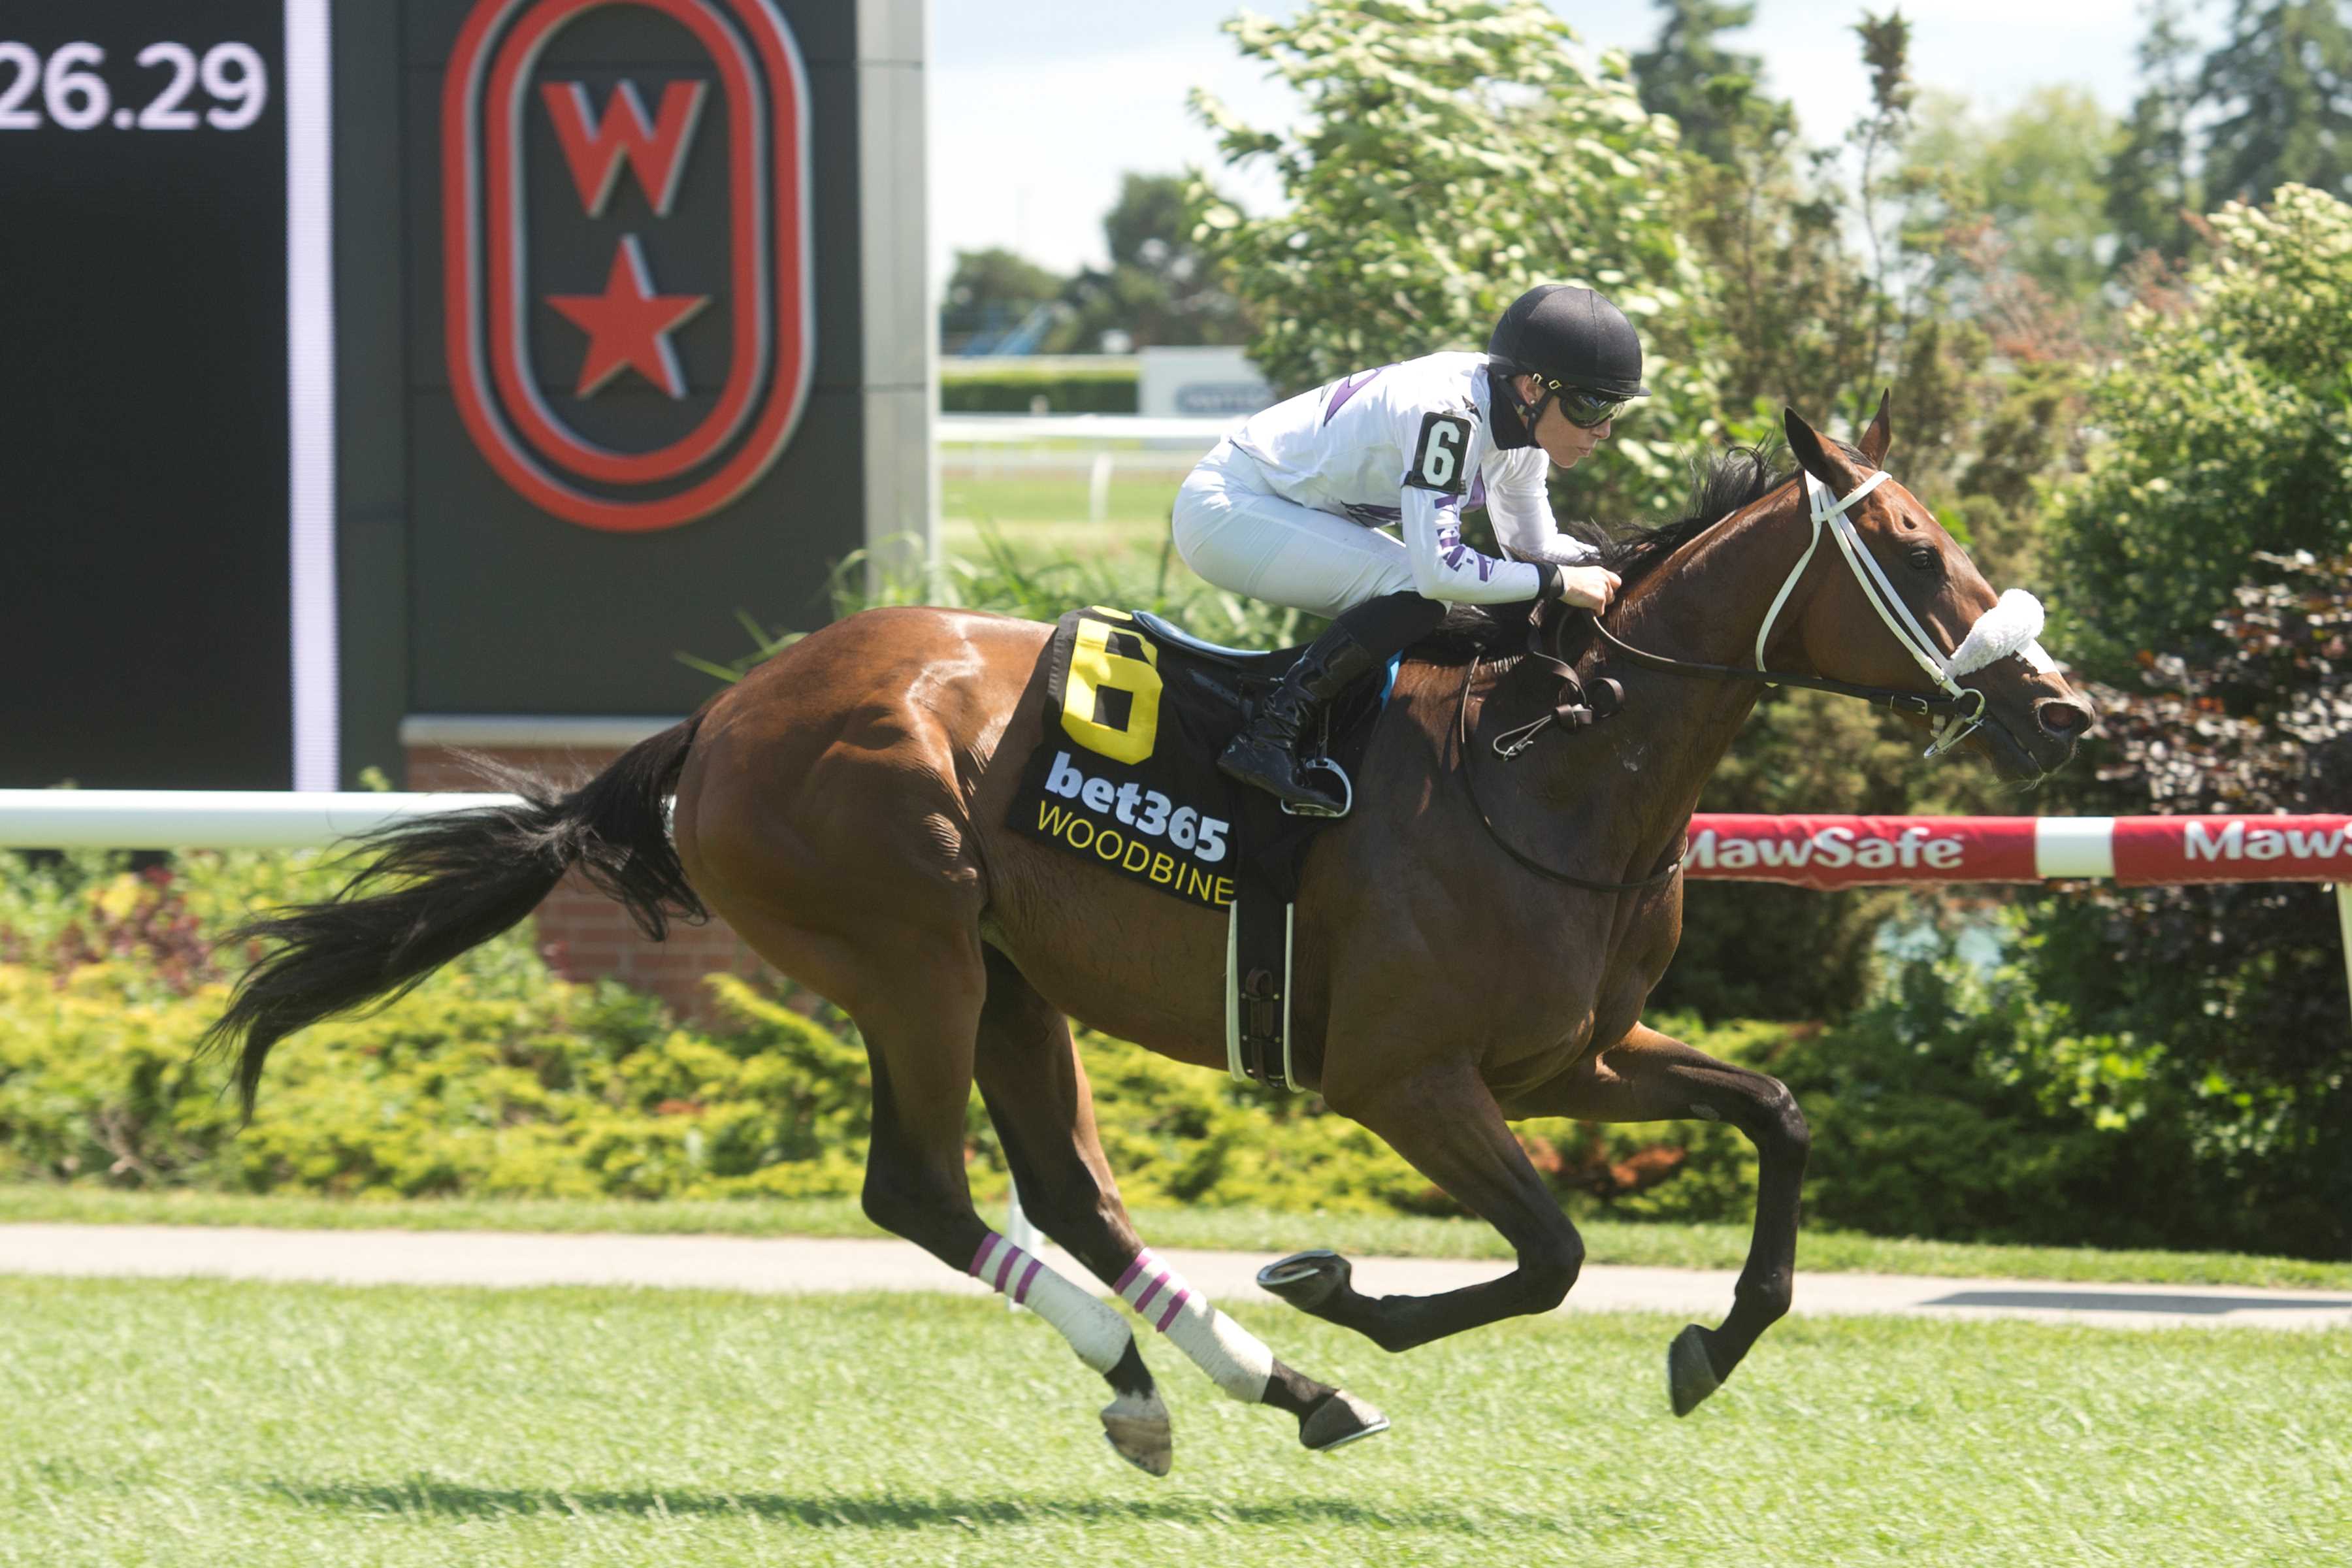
1583, 587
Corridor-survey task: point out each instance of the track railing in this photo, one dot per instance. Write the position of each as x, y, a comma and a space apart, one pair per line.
1823, 852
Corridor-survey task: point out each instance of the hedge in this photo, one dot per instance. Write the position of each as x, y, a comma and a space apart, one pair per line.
1069, 386
499, 1077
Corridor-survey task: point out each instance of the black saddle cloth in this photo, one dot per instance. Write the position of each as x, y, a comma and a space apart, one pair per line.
1126, 773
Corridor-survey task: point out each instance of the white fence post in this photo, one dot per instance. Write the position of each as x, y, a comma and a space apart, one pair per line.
1098, 489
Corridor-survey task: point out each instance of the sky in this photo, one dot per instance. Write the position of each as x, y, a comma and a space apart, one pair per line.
1037, 106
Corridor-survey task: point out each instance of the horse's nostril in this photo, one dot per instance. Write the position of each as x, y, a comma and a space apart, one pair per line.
2059, 717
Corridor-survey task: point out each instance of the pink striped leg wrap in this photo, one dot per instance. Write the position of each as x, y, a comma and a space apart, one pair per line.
1157, 1292
1005, 1267
1096, 1333
1231, 1354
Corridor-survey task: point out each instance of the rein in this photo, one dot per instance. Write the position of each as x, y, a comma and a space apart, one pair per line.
1571, 712
1955, 710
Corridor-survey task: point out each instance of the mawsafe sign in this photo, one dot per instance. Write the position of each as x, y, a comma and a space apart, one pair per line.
747, 108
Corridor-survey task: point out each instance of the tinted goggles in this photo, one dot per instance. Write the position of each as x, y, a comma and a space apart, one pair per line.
1589, 410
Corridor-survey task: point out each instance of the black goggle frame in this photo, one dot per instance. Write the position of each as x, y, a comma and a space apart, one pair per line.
1585, 410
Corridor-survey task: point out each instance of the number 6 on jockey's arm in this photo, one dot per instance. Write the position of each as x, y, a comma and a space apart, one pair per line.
1443, 448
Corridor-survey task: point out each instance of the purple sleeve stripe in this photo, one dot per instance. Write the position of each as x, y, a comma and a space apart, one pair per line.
1133, 1269
1143, 1298
979, 1260
1174, 1307
1021, 1292
1012, 1255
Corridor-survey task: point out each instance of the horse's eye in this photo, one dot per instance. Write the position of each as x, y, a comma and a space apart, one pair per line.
1924, 559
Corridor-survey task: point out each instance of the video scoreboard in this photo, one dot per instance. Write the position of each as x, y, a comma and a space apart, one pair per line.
149, 573
365, 364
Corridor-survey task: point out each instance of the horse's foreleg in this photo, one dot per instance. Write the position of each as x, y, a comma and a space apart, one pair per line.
1446, 1123
1649, 1077
1038, 1097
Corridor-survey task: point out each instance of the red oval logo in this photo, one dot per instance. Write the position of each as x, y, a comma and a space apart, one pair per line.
643, 131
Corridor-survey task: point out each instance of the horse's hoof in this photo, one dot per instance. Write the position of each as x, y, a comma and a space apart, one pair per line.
1306, 1280
1690, 1376
1339, 1419
1135, 1426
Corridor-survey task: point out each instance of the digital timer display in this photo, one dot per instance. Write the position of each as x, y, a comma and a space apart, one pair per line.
226, 88
144, 414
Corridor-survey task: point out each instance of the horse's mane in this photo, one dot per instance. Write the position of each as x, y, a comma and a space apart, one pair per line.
1720, 485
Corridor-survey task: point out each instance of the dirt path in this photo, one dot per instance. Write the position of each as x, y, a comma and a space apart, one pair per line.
504, 1259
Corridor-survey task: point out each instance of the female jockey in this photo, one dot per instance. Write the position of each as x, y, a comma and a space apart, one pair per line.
1288, 509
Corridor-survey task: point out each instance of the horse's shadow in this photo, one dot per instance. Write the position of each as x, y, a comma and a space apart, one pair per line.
432, 1497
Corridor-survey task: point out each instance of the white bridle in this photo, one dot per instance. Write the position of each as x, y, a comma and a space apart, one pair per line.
2009, 627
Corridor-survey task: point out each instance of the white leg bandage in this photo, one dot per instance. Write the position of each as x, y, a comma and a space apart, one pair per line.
1234, 1358
1093, 1331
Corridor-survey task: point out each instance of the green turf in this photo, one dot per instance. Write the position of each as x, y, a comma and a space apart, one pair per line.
209, 1424
1245, 1230
1134, 499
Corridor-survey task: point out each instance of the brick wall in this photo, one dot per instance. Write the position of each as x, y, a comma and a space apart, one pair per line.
584, 934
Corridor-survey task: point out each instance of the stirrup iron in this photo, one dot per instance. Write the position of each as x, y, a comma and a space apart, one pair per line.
1347, 791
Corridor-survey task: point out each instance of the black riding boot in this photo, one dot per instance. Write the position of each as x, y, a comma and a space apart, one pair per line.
1359, 641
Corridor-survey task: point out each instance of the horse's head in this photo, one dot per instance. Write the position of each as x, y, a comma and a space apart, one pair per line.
1865, 625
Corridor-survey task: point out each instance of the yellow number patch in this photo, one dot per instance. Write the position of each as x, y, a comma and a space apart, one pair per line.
1095, 669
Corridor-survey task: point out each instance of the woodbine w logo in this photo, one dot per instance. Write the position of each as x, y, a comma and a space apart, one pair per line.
562, 226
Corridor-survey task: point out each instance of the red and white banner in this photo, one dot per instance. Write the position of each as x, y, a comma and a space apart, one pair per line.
1851, 851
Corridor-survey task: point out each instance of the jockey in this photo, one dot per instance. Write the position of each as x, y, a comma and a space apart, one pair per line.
1288, 509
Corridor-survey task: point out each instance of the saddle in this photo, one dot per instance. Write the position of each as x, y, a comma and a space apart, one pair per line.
1125, 778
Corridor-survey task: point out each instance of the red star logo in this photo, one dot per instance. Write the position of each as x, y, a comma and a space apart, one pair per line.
628, 325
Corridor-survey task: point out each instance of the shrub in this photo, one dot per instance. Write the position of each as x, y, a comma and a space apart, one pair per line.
1069, 386
497, 1077
2228, 432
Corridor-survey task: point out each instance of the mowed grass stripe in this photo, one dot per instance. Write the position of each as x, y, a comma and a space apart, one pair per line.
187, 1423
1651, 1245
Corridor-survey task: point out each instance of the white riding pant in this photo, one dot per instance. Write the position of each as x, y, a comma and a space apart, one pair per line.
1233, 530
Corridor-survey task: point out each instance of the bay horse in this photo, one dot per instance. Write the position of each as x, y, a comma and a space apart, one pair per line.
1471, 950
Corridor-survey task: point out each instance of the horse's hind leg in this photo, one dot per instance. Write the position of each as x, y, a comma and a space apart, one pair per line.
1035, 1089
1650, 1076
920, 1019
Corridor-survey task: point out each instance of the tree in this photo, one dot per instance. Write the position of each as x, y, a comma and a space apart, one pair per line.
2229, 433
1795, 311
1161, 287
1879, 134
2035, 175
2283, 82
992, 291
1692, 79
2150, 191
1449, 155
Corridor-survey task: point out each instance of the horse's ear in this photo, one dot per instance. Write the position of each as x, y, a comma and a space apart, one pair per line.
1874, 441
1814, 454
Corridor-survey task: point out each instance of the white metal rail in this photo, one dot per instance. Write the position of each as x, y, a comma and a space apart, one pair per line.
1105, 435
206, 819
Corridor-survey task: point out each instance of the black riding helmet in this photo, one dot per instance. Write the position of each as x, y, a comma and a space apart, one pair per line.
1577, 344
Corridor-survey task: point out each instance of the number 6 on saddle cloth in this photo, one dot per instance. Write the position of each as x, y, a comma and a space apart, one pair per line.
1126, 777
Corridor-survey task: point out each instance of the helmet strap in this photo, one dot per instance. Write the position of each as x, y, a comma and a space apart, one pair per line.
1529, 412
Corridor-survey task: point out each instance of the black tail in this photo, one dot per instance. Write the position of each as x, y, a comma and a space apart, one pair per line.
439, 885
